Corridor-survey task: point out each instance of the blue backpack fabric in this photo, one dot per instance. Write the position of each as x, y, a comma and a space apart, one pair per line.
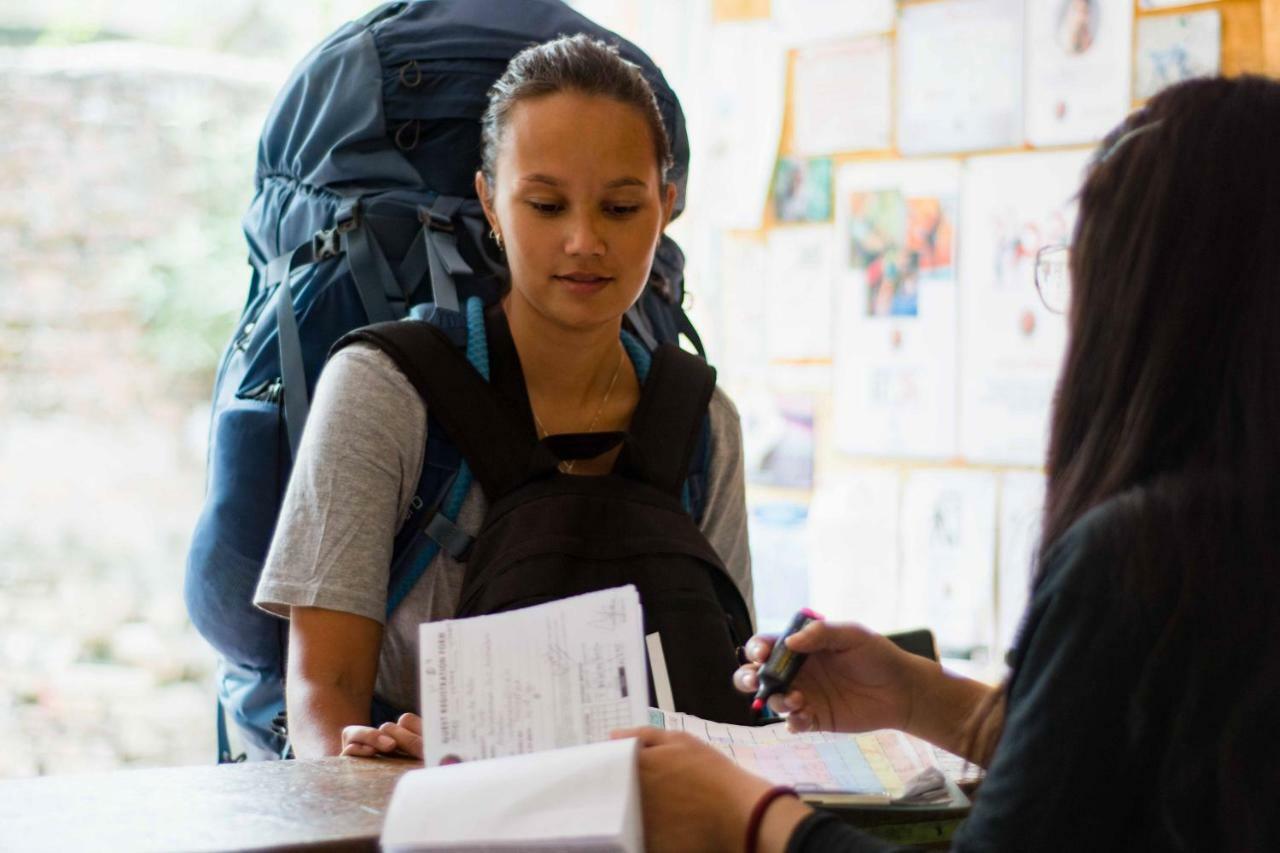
364, 212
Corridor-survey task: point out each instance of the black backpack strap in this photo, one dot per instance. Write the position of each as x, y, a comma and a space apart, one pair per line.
668, 421
483, 424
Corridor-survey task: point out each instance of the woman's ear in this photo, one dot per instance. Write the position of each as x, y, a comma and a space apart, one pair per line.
668, 204
485, 194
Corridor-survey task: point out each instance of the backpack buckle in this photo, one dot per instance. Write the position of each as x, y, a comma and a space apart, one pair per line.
328, 243
325, 244
347, 217
435, 220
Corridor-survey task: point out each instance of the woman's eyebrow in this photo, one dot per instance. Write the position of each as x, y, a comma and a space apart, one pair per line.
616, 183
537, 178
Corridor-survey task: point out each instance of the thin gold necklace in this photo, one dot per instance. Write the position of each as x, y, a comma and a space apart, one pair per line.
567, 467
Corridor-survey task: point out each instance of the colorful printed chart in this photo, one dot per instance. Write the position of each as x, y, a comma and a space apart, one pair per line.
874, 767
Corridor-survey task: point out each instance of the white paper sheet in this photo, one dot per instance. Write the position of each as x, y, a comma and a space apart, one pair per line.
744, 275
895, 360
1011, 345
779, 561
798, 292
734, 130
559, 674
777, 437
841, 96
1021, 506
1173, 48
804, 21
853, 547
1078, 66
583, 798
959, 76
948, 559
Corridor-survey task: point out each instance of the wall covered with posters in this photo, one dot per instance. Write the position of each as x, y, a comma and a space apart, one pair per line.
871, 185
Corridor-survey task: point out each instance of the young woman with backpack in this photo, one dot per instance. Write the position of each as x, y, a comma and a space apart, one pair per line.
1144, 691
573, 182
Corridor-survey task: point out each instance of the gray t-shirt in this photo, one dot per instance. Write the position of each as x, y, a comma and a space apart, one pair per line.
351, 488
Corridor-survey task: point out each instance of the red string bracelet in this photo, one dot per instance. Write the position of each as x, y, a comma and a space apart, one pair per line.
757, 813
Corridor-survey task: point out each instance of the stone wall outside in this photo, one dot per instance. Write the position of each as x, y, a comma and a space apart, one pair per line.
123, 173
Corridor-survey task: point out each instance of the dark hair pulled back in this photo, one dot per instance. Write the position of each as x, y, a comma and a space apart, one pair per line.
570, 64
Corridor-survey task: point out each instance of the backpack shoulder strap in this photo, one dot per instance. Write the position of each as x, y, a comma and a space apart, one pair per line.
482, 424
668, 421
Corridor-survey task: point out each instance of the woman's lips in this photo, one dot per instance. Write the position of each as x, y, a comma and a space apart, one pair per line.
583, 282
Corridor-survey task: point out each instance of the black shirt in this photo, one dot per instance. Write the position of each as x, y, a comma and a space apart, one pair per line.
1067, 775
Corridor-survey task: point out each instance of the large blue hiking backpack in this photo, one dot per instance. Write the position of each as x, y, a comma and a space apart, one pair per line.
364, 212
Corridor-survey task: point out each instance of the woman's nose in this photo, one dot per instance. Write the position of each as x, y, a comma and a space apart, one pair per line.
584, 236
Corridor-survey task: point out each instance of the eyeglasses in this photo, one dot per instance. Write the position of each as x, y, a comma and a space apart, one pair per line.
1053, 277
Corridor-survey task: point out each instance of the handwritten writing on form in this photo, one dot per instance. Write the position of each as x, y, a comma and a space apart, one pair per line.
558, 674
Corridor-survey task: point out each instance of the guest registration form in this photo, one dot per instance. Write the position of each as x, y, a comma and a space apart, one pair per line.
559, 674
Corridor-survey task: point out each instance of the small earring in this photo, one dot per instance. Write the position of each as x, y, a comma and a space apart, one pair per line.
497, 238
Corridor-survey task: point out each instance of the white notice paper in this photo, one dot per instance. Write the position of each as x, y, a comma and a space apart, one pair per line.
803, 21
959, 76
948, 559
1011, 345
1021, 505
841, 96
853, 547
1077, 68
1173, 48
559, 674
733, 148
801, 264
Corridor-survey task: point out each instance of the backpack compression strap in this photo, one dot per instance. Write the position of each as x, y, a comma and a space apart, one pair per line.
668, 421
382, 288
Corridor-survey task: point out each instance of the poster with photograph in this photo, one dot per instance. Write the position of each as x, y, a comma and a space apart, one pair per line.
842, 96
895, 359
802, 189
948, 536
853, 546
1021, 505
779, 560
1078, 65
1011, 344
1173, 48
959, 76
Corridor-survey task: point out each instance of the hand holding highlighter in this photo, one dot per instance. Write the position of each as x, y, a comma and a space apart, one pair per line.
780, 669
